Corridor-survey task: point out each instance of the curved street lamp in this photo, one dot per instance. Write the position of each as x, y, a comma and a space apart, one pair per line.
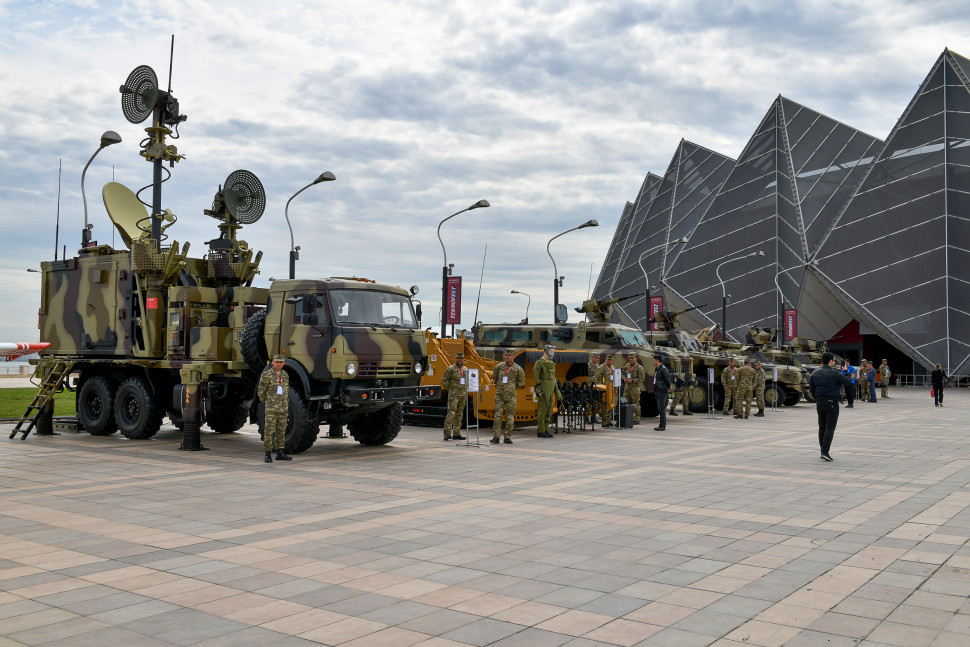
108, 138
556, 279
326, 176
679, 241
724, 296
445, 269
528, 303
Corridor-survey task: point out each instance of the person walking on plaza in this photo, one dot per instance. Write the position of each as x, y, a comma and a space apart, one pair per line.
682, 394
507, 377
759, 388
604, 375
871, 378
742, 399
455, 382
729, 382
939, 380
864, 381
273, 390
849, 371
633, 377
884, 374
826, 386
546, 387
662, 381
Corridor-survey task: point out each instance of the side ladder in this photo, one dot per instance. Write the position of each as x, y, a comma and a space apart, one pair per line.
54, 370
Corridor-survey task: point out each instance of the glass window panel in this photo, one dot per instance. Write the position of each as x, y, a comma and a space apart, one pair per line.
804, 149
915, 136
759, 145
798, 124
957, 98
826, 153
936, 80
930, 102
907, 186
914, 278
900, 168
958, 124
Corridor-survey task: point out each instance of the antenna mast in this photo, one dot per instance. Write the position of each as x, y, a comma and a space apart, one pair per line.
57, 226
477, 301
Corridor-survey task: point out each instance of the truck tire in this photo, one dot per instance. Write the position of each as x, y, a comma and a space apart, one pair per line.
228, 418
96, 406
302, 429
251, 342
697, 397
379, 427
136, 412
792, 397
774, 395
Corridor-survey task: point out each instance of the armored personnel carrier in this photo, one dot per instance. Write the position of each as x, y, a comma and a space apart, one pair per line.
599, 336
705, 354
149, 331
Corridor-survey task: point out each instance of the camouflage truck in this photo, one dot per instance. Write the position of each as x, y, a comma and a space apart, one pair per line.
705, 355
148, 331
600, 336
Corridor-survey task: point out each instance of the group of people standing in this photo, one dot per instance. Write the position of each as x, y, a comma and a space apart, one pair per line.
741, 385
864, 381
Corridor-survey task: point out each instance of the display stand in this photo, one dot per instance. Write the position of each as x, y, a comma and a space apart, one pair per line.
473, 387
710, 393
774, 381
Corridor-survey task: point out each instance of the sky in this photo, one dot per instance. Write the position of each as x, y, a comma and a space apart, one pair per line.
553, 111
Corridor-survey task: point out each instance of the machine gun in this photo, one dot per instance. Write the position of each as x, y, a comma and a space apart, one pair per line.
601, 309
670, 320
761, 336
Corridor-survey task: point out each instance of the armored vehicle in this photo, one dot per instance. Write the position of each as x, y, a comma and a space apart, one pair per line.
705, 355
598, 336
148, 331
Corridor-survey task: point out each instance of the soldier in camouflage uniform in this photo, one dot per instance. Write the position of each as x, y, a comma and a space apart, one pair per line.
633, 377
742, 398
273, 391
729, 382
759, 388
507, 377
546, 386
455, 382
682, 394
884, 374
604, 375
863, 381
592, 367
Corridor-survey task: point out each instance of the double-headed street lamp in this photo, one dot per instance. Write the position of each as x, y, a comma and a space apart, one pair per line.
679, 241
446, 269
556, 279
527, 304
724, 295
326, 176
107, 139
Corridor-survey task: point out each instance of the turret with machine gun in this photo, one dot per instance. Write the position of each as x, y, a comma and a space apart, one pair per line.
670, 319
602, 309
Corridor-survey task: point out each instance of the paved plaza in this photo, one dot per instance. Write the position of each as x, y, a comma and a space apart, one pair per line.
714, 532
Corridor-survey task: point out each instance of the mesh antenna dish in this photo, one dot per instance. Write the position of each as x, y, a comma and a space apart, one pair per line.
139, 94
244, 197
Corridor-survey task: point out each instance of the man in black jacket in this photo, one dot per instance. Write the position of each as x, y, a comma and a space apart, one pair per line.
826, 387
662, 381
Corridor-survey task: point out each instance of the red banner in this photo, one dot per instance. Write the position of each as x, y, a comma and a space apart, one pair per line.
453, 301
791, 324
656, 305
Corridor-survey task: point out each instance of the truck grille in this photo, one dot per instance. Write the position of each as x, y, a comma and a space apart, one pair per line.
375, 370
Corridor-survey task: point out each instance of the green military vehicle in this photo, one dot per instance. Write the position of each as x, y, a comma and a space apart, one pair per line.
792, 381
148, 331
598, 336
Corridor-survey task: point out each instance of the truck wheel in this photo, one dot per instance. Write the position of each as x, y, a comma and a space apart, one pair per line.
96, 406
227, 419
301, 428
774, 395
252, 344
792, 397
379, 427
809, 397
697, 397
136, 412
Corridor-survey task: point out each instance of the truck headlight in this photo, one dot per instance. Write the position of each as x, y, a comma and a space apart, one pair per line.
351, 368
418, 367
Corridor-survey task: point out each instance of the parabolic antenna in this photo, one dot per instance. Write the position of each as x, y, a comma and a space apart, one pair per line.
139, 94
244, 197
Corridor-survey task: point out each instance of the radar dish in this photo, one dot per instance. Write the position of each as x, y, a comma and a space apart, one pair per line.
244, 197
139, 94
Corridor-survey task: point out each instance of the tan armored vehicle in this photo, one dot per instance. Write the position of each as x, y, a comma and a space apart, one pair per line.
148, 331
598, 336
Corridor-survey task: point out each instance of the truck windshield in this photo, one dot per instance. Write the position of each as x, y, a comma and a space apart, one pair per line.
372, 308
632, 338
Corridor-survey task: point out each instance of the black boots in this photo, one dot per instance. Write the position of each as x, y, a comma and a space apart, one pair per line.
760, 414
281, 455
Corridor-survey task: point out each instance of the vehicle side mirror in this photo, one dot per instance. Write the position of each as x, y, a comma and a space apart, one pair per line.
309, 303
310, 320
417, 313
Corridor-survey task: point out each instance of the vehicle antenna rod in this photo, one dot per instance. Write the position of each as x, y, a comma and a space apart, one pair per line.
477, 301
589, 286
57, 226
171, 55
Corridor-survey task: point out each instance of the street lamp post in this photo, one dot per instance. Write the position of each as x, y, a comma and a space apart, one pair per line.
527, 304
556, 279
724, 294
326, 176
107, 139
679, 241
445, 269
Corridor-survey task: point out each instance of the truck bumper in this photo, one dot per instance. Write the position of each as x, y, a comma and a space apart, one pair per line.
367, 395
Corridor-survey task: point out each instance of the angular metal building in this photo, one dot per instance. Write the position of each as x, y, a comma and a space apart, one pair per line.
819, 215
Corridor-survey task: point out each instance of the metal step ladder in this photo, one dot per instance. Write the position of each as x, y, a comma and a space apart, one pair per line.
54, 370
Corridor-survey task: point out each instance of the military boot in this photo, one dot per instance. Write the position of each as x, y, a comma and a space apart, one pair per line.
268, 458
672, 413
760, 414
281, 455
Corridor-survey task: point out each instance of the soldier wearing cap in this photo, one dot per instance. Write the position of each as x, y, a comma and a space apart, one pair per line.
759, 388
507, 376
864, 381
884, 374
729, 382
273, 391
455, 382
592, 367
604, 375
682, 393
545, 386
742, 399
633, 376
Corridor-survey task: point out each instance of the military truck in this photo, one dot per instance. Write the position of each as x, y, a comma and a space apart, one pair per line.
599, 336
148, 331
706, 354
